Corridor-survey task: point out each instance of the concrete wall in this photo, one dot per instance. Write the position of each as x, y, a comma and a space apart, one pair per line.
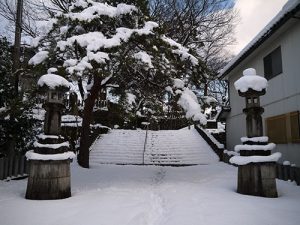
283, 92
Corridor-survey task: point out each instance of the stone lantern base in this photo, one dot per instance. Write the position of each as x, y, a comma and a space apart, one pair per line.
49, 179
258, 179
256, 167
49, 169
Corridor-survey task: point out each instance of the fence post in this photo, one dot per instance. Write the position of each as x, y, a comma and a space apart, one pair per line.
16, 166
10, 166
297, 175
279, 171
1, 168
286, 172
21, 165
5, 168
292, 173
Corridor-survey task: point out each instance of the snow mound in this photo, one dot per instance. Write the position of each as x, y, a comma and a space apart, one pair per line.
250, 80
53, 81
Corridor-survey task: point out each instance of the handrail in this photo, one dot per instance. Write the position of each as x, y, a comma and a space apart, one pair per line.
145, 142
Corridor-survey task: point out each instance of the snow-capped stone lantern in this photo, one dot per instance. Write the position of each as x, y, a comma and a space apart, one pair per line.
256, 164
49, 173
252, 87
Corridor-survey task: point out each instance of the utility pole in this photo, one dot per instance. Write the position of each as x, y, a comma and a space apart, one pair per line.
17, 45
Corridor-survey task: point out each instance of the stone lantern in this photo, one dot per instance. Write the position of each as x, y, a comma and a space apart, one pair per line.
49, 173
256, 164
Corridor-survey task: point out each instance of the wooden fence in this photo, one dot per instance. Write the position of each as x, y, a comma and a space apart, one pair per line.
13, 167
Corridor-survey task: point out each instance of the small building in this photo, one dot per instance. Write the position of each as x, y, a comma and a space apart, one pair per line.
275, 54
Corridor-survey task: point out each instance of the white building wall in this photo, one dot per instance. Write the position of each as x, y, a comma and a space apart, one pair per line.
283, 92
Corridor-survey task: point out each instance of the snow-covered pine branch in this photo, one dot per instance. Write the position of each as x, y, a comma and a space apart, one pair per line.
100, 43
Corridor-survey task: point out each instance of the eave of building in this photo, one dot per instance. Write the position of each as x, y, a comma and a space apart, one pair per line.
261, 38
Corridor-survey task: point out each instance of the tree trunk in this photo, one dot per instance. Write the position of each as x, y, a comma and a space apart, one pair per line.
17, 45
80, 87
84, 153
206, 88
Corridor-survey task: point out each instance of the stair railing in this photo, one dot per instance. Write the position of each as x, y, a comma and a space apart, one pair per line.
146, 124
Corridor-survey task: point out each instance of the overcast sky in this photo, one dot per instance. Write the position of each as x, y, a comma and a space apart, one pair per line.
254, 16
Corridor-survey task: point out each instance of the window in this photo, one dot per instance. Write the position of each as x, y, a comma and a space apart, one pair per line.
295, 131
273, 64
284, 128
276, 129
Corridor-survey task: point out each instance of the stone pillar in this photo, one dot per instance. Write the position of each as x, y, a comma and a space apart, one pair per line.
256, 165
49, 172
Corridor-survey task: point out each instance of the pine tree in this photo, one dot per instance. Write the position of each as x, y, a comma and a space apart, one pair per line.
16, 123
99, 43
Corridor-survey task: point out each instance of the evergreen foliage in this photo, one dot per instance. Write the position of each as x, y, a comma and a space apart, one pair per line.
101, 44
16, 122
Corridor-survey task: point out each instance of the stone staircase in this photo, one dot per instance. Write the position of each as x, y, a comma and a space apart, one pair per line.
165, 147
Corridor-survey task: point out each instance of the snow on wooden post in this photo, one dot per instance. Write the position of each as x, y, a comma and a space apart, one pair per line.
49, 172
256, 164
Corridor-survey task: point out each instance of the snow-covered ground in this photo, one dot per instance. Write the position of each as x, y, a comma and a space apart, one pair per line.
151, 195
164, 147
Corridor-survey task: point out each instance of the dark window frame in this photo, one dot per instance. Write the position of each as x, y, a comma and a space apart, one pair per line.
273, 64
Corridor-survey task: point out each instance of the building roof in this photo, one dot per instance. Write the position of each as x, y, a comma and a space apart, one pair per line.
288, 11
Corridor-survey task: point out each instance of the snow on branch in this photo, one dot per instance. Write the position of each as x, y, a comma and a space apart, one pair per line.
38, 58
93, 41
144, 57
183, 52
101, 9
189, 102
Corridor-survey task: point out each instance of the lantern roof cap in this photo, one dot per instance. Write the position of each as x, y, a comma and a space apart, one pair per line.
53, 82
250, 81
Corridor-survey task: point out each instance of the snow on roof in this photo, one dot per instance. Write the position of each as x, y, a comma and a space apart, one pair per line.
250, 80
264, 33
53, 81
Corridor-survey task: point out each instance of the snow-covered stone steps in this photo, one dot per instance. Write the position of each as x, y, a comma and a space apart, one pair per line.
166, 147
